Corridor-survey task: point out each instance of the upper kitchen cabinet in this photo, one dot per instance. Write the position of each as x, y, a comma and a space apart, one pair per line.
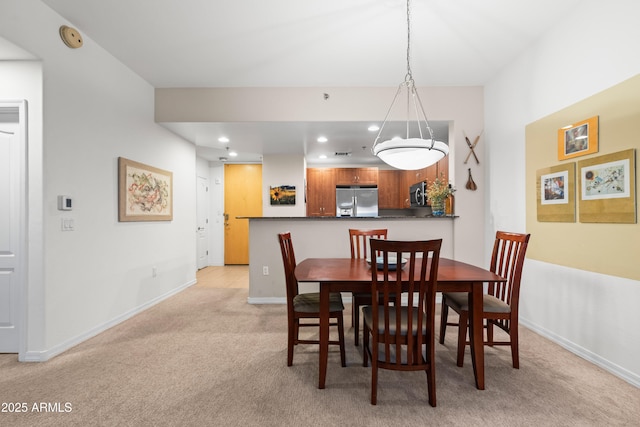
391, 190
321, 192
429, 174
356, 176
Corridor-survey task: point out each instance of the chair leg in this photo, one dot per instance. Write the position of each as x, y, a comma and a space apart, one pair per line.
374, 379
490, 333
343, 360
430, 353
513, 333
291, 338
444, 314
356, 321
462, 336
365, 345
431, 383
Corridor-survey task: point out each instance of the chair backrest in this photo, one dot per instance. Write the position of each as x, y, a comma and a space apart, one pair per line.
417, 280
289, 262
507, 260
360, 240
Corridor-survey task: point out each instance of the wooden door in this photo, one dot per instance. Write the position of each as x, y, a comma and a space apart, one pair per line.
202, 222
242, 198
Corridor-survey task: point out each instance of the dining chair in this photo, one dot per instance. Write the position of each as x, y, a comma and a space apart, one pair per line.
401, 337
500, 304
306, 305
359, 241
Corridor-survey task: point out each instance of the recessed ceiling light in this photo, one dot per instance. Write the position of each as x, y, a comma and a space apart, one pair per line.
323, 156
373, 128
233, 153
322, 139
223, 139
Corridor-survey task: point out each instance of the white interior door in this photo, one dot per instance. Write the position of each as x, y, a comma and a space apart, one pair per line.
12, 160
202, 201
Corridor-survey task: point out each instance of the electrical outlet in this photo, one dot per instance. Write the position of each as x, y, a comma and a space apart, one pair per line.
265, 270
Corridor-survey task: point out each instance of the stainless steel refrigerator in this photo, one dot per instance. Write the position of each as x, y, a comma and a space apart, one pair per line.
357, 201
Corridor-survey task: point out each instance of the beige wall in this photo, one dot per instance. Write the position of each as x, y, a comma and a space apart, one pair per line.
598, 247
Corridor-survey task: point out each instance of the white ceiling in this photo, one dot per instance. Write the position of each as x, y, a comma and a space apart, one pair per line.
305, 43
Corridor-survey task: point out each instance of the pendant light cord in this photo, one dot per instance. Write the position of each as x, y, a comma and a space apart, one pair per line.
409, 76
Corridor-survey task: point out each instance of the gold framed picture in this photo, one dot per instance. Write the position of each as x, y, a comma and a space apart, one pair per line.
556, 193
145, 193
578, 139
607, 188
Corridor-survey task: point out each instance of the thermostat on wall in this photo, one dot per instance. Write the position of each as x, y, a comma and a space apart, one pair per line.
65, 203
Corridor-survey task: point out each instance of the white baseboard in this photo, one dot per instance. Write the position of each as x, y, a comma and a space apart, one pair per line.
582, 352
43, 356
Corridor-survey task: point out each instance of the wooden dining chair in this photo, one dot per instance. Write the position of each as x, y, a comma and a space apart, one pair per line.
306, 305
359, 240
500, 304
402, 337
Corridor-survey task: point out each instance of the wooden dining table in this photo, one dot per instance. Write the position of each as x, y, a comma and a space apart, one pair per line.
354, 275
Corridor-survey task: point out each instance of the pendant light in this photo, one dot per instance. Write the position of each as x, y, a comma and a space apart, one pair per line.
422, 149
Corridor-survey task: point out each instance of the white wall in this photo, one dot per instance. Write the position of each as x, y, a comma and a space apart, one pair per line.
92, 110
583, 54
288, 169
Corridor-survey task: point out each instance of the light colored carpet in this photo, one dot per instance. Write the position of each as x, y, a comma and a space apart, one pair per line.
207, 358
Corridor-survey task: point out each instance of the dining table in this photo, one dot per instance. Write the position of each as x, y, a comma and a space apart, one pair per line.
354, 275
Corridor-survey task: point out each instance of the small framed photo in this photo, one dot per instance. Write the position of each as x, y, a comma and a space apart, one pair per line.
145, 193
283, 195
578, 139
555, 188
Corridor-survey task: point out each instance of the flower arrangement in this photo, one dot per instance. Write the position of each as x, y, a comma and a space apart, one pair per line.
438, 190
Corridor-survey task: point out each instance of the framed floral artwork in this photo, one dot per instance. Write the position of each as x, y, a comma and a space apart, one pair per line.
283, 195
145, 193
578, 139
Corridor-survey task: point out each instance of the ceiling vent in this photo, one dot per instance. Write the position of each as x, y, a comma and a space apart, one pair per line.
342, 153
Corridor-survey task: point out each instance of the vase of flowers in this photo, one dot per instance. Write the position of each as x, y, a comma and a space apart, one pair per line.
437, 193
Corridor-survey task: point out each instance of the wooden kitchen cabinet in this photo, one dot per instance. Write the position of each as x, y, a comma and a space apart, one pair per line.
392, 193
321, 192
356, 176
429, 174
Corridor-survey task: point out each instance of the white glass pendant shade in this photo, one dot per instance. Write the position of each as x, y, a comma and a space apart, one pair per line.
410, 154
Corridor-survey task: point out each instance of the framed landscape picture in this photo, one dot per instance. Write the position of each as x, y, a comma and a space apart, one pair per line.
578, 139
145, 193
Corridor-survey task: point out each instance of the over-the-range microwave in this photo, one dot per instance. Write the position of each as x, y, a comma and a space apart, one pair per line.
417, 194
